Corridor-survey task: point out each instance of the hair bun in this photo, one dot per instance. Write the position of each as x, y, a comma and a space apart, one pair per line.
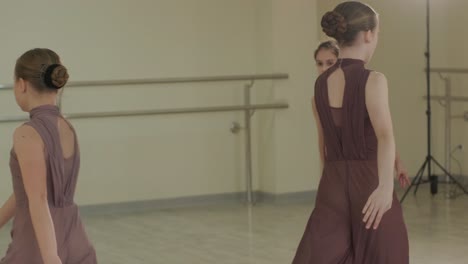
55, 76
334, 25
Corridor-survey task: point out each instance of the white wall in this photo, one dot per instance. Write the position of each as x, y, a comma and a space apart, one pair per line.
265, 133
400, 55
458, 58
139, 158
294, 41
288, 157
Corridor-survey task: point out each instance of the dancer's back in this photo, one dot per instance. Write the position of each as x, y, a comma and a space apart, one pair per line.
357, 218
62, 159
44, 162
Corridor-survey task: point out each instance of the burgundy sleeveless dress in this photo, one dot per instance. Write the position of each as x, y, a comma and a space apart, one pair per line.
335, 233
72, 241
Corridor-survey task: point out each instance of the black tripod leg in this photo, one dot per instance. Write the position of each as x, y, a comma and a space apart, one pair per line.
409, 189
423, 167
416, 178
450, 176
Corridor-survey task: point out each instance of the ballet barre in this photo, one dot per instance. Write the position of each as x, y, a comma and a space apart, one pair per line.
192, 110
247, 107
222, 78
451, 98
449, 70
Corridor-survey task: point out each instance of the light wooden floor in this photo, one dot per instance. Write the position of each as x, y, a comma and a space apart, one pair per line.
267, 233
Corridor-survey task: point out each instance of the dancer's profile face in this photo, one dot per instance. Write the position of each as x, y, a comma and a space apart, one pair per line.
20, 93
372, 37
324, 60
22, 88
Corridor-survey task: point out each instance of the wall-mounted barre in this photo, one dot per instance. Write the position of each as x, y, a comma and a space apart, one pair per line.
192, 110
449, 70
247, 107
451, 98
222, 78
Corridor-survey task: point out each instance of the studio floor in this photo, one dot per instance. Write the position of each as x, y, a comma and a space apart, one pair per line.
267, 233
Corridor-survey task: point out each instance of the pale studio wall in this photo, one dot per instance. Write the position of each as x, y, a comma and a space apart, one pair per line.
146, 158
288, 157
400, 56
457, 39
294, 38
141, 158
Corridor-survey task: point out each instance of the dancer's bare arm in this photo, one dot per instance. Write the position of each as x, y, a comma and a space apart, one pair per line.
321, 144
7, 211
380, 200
29, 148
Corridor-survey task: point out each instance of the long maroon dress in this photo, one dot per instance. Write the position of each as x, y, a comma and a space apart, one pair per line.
336, 233
72, 241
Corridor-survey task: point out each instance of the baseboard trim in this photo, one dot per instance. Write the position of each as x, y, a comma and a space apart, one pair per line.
287, 197
194, 201
441, 177
161, 204
206, 200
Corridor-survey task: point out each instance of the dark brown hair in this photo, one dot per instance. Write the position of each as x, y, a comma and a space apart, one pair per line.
347, 20
328, 45
43, 69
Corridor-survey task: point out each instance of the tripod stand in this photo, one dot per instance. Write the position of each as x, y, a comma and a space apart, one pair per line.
432, 179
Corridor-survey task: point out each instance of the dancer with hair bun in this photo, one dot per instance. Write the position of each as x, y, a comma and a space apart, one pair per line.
357, 217
44, 163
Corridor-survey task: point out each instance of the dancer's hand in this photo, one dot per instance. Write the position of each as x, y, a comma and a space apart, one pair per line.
402, 174
379, 202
